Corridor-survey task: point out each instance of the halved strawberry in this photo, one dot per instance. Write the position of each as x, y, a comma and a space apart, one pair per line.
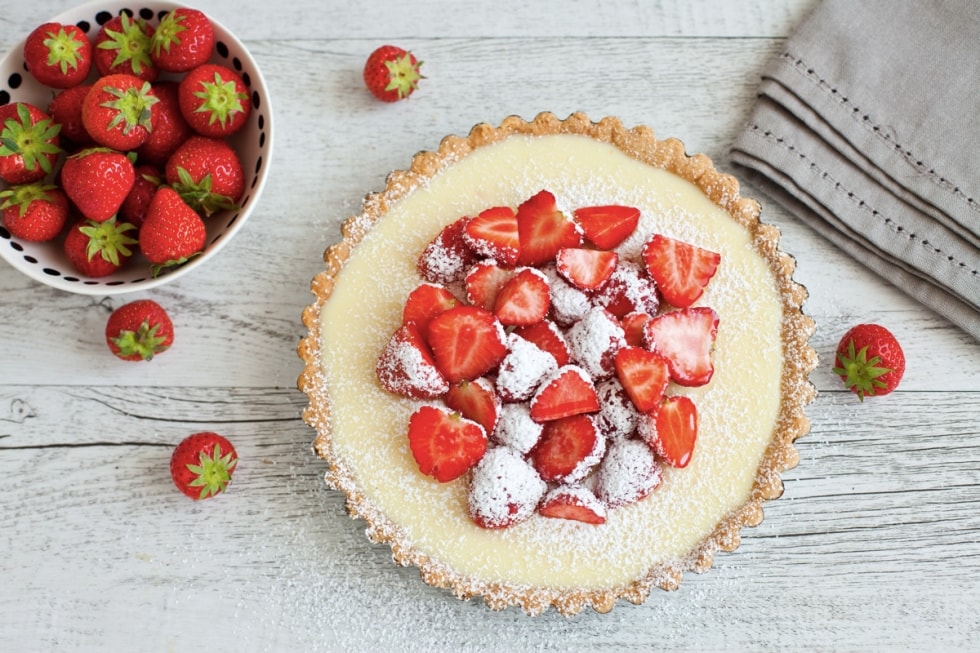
406, 367
504, 489
523, 369
483, 283
672, 430
567, 392
681, 269
493, 233
548, 337
568, 449
543, 229
644, 376
607, 226
633, 324
425, 302
444, 443
467, 342
685, 338
629, 289
628, 473
575, 502
446, 258
594, 340
586, 269
524, 299
475, 400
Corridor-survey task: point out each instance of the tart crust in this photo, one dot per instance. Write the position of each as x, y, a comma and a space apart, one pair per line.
799, 359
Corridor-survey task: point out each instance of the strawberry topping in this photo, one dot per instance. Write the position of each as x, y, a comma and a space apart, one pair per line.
671, 430
446, 258
483, 283
607, 226
406, 367
680, 269
644, 376
543, 229
504, 489
493, 234
628, 473
567, 392
475, 400
586, 269
445, 444
568, 449
685, 338
575, 502
548, 337
524, 299
425, 302
523, 369
467, 342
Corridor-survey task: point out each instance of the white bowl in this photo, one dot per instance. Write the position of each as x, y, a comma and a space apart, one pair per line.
46, 262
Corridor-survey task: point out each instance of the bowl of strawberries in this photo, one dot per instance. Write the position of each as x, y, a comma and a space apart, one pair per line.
135, 140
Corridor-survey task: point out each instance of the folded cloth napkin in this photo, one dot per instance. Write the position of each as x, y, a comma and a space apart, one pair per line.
867, 127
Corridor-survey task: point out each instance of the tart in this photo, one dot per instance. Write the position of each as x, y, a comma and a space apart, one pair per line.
532, 550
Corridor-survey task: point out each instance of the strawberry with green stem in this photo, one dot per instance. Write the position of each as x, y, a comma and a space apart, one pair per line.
392, 73
870, 360
139, 330
117, 111
34, 212
202, 465
172, 233
123, 46
59, 56
98, 249
207, 174
214, 100
97, 180
184, 39
29, 143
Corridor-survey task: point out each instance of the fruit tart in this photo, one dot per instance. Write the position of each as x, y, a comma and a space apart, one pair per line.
557, 363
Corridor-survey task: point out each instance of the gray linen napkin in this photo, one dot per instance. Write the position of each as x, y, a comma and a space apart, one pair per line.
867, 127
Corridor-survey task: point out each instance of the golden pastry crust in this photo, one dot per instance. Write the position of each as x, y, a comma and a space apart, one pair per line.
796, 390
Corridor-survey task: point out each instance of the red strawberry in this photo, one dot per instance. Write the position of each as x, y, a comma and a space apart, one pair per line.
523, 369
214, 100
29, 143
544, 230
671, 430
644, 376
493, 234
117, 110
123, 46
475, 400
483, 283
586, 269
406, 367
524, 299
446, 258
548, 337
170, 130
202, 465
628, 290
184, 39
137, 202
172, 233
607, 226
59, 56
685, 338
425, 302
97, 180
445, 444
34, 212
568, 449
467, 342
869, 360
392, 73
628, 473
680, 269
98, 249
569, 391
139, 330
504, 489
207, 173
574, 502
594, 340
633, 326
66, 110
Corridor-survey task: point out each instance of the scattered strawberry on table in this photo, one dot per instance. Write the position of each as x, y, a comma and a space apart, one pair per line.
202, 465
869, 360
139, 330
392, 73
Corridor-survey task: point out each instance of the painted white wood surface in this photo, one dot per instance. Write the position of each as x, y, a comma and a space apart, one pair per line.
875, 545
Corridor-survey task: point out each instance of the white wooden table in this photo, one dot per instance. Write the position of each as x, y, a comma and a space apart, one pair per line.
874, 546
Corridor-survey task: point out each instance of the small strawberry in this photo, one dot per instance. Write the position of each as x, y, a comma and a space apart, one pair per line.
139, 330
172, 233
29, 143
123, 46
544, 230
444, 443
137, 202
547, 337
607, 226
568, 449
392, 73
207, 173
493, 234
446, 258
575, 502
59, 56
214, 100
524, 299
671, 430
475, 400
170, 130
504, 489
467, 342
66, 110
680, 269
97, 180
586, 269
425, 302
644, 376
685, 338
183, 40
483, 282
633, 325
523, 369
406, 368
627, 474
202, 465
117, 111
98, 249
628, 290
870, 360
569, 391
34, 212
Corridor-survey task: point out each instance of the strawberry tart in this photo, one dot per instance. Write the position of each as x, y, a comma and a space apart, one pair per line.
556, 363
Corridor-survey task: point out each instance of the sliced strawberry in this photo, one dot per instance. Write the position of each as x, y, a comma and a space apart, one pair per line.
524, 299
629, 290
568, 449
446, 258
569, 391
504, 489
685, 338
644, 376
493, 234
467, 342
680, 269
672, 430
568, 303
548, 337
425, 302
617, 416
633, 324
594, 340
628, 473
475, 400
483, 283
406, 367
607, 226
543, 230
574, 502
523, 369
445, 444
586, 269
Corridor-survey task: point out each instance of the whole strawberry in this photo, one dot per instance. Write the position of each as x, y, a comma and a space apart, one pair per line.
214, 100
392, 73
870, 360
117, 111
139, 330
59, 56
207, 173
170, 129
202, 465
137, 203
172, 233
184, 40
98, 249
29, 143
97, 180
66, 110
123, 46
34, 212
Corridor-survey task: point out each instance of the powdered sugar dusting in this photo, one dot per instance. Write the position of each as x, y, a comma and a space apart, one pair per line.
618, 416
516, 429
594, 340
523, 369
505, 489
628, 473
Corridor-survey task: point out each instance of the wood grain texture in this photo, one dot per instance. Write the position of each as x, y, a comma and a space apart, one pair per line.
875, 545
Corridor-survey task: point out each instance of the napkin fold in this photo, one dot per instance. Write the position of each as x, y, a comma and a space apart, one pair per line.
867, 127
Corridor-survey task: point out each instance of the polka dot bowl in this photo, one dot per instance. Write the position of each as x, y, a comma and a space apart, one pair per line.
46, 262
